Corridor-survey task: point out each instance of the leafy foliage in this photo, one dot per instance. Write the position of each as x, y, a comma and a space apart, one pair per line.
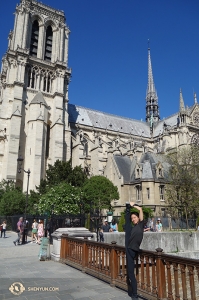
61, 171
100, 191
182, 191
12, 200
61, 199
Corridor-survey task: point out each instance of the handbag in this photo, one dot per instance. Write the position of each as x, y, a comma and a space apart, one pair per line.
1, 228
17, 230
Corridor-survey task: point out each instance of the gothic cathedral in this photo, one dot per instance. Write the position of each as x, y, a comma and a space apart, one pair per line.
38, 123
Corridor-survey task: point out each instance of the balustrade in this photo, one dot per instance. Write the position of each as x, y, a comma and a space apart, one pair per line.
159, 275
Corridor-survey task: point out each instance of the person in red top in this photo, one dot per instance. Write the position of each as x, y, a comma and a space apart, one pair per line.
133, 239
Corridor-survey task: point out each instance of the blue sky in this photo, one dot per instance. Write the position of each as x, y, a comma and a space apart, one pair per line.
108, 51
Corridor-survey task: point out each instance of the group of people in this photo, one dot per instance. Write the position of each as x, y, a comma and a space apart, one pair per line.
3, 229
106, 227
155, 227
37, 231
22, 231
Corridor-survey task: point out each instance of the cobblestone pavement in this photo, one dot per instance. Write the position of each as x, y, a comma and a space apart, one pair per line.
21, 265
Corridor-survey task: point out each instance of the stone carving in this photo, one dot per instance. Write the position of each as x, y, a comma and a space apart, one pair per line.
195, 139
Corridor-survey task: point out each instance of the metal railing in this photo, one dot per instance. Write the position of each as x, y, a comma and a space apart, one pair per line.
159, 276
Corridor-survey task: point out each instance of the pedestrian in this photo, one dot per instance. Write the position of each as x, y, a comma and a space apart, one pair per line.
40, 232
106, 227
49, 229
26, 223
158, 225
101, 235
151, 225
20, 230
133, 239
3, 229
146, 227
114, 225
34, 231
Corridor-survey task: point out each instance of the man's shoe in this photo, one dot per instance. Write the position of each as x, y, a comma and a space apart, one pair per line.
14, 243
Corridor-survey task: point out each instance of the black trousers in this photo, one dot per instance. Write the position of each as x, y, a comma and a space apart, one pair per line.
130, 257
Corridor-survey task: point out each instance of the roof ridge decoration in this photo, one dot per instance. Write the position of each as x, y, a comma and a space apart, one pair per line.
195, 98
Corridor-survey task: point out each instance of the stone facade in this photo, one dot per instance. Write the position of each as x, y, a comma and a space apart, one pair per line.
38, 123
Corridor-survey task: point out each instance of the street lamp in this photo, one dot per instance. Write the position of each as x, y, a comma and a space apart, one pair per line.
20, 162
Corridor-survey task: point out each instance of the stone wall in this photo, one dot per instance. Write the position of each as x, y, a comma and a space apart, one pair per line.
170, 242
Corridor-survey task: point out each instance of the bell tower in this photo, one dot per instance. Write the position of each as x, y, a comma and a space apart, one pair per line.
34, 92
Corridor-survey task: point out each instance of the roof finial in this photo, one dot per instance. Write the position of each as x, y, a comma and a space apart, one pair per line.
148, 44
182, 107
195, 98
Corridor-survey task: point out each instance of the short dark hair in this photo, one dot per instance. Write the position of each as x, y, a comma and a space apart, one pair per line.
135, 213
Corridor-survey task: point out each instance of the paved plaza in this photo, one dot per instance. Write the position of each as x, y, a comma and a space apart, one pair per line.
21, 268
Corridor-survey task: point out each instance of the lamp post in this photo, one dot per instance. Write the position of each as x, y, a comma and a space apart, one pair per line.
20, 162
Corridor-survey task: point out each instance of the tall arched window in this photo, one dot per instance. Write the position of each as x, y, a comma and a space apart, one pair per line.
34, 38
48, 44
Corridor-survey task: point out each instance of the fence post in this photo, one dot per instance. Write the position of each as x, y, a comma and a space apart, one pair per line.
64, 248
113, 263
160, 273
84, 255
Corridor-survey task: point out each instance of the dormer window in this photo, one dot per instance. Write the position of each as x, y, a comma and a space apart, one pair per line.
160, 172
34, 38
137, 172
48, 44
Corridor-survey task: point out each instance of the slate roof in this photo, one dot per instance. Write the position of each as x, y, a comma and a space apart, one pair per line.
98, 119
170, 122
148, 163
90, 117
124, 165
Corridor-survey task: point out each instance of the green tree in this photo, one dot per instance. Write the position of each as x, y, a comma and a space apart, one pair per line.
182, 191
61, 199
61, 171
12, 202
100, 191
33, 201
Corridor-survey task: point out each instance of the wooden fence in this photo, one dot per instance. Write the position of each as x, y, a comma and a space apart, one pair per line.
159, 276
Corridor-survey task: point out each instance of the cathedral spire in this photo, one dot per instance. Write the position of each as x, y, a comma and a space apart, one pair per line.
152, 109
182, 107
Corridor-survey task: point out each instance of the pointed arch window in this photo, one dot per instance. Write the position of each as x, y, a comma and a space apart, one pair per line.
48, 44
34, 38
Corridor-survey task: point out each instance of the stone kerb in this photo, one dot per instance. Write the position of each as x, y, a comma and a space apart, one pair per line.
79, 232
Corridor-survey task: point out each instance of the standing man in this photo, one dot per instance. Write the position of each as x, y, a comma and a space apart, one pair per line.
20, 229
106, 227
133, 239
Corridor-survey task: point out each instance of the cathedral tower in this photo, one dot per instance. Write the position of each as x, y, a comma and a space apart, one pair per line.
152, 109
34, 93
